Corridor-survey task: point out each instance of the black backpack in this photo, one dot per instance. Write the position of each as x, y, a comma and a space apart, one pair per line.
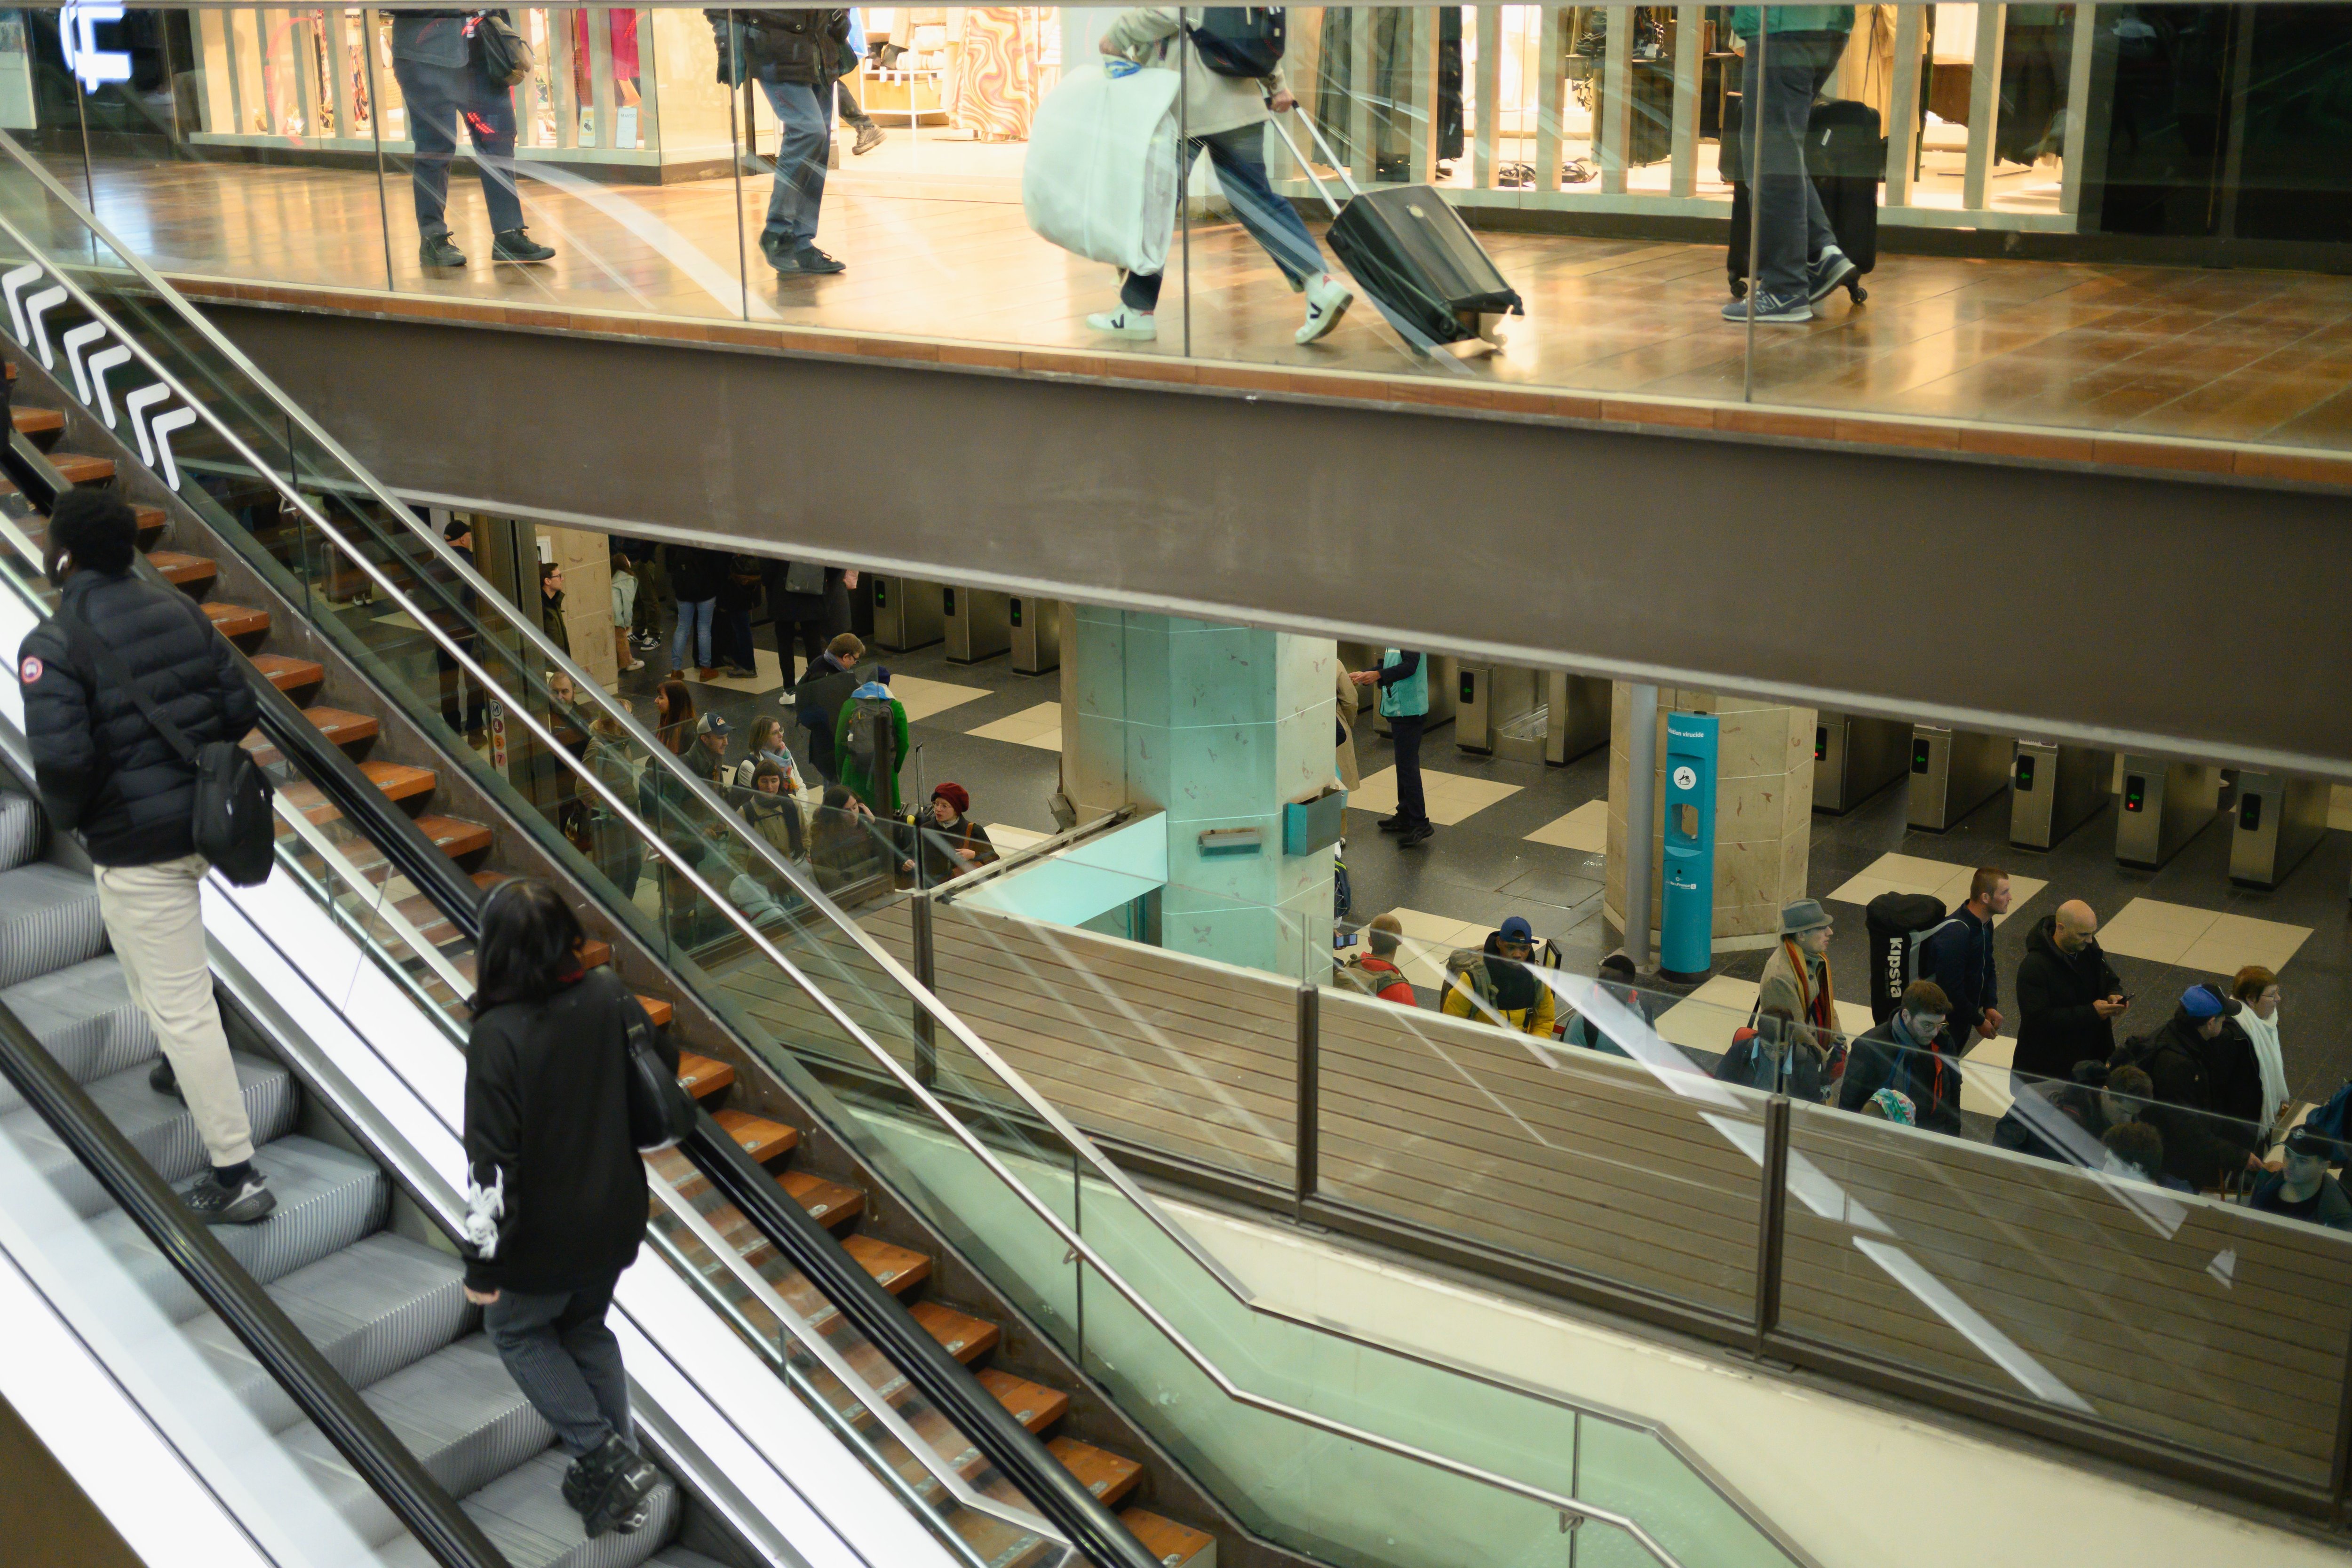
1240, 40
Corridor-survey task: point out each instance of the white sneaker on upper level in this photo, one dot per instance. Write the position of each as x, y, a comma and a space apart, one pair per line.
1125, 322
1328, 300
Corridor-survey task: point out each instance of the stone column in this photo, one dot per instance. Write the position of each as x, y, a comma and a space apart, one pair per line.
1217, 727
1763, 806
586, 558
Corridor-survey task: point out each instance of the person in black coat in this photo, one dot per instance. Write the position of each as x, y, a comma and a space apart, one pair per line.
794, 56
1958, 956
2068, 997
2209, 1089
1758, 1058
1904, 1054
823, 687
107, 774
556, 1196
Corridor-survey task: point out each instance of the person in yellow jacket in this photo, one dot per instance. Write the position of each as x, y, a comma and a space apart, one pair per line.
1498, 986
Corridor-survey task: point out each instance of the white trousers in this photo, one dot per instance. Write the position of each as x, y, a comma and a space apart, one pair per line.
155, 921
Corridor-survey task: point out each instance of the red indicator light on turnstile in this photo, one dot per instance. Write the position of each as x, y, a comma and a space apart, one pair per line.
2134, 792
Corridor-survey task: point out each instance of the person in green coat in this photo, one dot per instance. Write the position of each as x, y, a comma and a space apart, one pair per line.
1798, 260
869, 740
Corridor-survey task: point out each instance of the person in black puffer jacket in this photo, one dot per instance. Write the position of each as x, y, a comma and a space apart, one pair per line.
2208, 1091
556, 1191
795, 55
108, 775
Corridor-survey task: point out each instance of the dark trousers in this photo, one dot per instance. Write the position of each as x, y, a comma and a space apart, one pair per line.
565, 1361
437, 97
1792, 225
812, 632
1412, 810
735, 639
463, 706
1239, 158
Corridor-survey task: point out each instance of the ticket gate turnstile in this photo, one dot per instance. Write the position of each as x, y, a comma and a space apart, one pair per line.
2280, 820
1445, 674
1855, 758
1497, 711
906, 613
977, 624
1576, 716
2054, 789
2164, 806
1953, 771
1036, 627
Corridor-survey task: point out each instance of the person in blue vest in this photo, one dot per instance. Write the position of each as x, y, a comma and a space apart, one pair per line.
1404, 681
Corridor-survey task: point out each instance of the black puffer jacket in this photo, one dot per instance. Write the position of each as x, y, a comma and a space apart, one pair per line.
2209, 1095
781, 45
2056, 1024
103, 768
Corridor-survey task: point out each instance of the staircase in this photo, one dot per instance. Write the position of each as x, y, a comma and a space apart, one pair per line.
474, 846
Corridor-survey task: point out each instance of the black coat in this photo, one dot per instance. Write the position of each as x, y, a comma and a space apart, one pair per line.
781, 45
102, 769
1931, 1078
2056, 1024
695, 574
1958, 956
547, 1126
2209, 1098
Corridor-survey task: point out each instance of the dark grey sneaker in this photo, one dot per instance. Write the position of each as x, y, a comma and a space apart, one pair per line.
437, 251
809, 260
163, 1080
1828, 271
514, 245
214, 1204
1770, 308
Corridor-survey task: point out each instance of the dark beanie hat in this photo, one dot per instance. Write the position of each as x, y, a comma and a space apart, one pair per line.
96, 528
955, 795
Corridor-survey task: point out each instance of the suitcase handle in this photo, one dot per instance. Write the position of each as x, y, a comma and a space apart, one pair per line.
1275, 120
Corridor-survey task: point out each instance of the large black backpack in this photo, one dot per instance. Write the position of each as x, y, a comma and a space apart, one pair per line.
1240, 40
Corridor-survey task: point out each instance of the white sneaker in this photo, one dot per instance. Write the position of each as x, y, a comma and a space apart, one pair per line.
1124, 322
1328, 300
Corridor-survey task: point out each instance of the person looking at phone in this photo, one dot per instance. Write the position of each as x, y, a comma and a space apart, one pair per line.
2068, 995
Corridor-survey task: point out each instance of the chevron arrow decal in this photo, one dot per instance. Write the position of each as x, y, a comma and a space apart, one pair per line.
76, 340
105, 360
35, 307
164, 424
135, 407
13, 286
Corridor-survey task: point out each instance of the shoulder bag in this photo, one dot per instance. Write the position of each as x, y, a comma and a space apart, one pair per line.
504, 53
231, 825
661, 1113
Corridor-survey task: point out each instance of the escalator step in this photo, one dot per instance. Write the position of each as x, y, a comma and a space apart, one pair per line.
459, 1412
1108, 1475
660, 1011
525, 1516
158, 1126
965, 1337
1032, 1404
235, 621
36, 421
1176, 1546
701, 1075
396, 780
84, 1017
49, 919
343, 728
288, 674
830, 1202
895, 1269
455, 838
183, 570
20, 829
75, 469
761, 1139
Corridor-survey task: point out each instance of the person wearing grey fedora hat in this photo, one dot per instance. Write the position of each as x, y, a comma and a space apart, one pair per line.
1797, 980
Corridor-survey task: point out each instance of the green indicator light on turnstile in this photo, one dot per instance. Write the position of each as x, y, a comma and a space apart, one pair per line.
1919, 750
881, 592
1820, 741
2249, 812
947, 601
1469, 687
1015, 606
2134, 792
2025, 771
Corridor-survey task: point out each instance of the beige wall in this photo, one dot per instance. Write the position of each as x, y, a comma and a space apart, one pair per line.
1763, 810
587, 562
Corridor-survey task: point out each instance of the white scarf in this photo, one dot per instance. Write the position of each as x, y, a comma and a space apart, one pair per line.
2264, 1033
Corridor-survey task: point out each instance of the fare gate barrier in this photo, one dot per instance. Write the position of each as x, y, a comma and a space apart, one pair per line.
1036, 628
978, 624
1493, 703
907, 614
2055, 789
1576, 716
2280, 820
1855, 758
1953, 771
2165, 805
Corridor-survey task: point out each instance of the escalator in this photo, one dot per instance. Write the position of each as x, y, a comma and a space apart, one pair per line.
953, 1203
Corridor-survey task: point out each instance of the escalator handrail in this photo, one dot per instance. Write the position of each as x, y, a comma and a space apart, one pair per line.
869, 950
318, 760
423, 1506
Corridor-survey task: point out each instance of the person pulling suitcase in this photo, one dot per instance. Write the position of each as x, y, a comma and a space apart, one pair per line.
1790, 51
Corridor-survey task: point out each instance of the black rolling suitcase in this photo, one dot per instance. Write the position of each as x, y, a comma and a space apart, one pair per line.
1846, 156
1415, 257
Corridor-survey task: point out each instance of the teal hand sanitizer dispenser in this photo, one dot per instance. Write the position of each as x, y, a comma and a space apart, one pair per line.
1687, 860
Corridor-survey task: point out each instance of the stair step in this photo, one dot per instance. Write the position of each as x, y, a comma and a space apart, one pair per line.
158, 1125
1176, 1546
453, 837
77, 469
20, 829
660, 1011
184, 570
831, 1202
1032, 1404
761, 1139
595, 953
964, 1336
49, 919
151, 522
396, 780
289, 674
238, 620
1108, 1475
701, 1075
84, 1017
897, 1268
36, 421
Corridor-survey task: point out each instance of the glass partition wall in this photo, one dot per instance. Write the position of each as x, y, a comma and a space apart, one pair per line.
2032, 195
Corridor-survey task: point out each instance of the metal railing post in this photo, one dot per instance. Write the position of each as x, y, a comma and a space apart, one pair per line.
1771, 1219
1305, 1156
927, 1048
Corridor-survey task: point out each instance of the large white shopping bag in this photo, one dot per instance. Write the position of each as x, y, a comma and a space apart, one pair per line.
1100, 179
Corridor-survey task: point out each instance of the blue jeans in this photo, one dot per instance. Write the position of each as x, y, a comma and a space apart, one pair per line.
805, 113
1791, 227
437, 97
1239, 157
694, 617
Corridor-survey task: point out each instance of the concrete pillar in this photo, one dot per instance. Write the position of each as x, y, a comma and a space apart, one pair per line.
586, 558
1764, 811
1218, 726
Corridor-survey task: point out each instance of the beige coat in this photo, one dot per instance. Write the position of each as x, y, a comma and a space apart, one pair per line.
1212, 102
1352, 777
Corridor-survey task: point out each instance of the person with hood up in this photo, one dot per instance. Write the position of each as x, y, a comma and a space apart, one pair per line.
1496, 984
869, 744
1797, 981
1902, 1055
2209, 1089
1376, 973
2068, 997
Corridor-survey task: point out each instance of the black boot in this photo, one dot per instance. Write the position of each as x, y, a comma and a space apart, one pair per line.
513, 244
437, 251
608, 1486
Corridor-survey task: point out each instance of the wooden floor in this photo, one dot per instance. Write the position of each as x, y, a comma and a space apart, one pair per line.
2239, 355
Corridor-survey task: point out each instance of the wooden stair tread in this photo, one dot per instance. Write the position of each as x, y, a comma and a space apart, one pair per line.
1108, 1475
827, 1200
454, 837
761, 1139
1174, 1544
964, 1336
341, 726
238, 620
397, 781
897, 1268
287, 673
595, 953
150, 520
1032, 1404
36, 421
79, 468
660, 1011
183, 569
701, 1075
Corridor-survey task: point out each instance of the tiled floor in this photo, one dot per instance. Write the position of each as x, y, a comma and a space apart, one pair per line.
928, 699
1428, 941
1938, 879
1585, 828
2200, 939
768, 674
1040, 726
1452, 798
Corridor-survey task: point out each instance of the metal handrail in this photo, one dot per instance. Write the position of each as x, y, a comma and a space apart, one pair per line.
1023, 858
1079, 1248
